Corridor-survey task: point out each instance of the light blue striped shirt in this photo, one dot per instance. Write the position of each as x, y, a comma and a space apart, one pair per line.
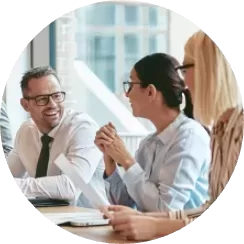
171, 170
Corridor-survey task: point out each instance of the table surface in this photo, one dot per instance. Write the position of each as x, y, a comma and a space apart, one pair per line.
96, 233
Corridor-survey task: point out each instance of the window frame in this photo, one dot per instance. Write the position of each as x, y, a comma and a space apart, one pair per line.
119, 31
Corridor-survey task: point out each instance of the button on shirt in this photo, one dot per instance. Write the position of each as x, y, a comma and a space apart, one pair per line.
74, 137
171, 170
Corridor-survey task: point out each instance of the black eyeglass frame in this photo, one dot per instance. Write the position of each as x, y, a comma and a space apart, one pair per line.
48, 97
130, 83
182, 68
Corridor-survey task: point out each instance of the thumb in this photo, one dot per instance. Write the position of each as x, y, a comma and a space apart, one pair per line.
116, 208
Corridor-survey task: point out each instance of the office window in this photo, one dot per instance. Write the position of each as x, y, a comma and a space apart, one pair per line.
100, 14
103, 62
132, 52
131, 15
153, 16
157, 43
109, 38
131, 42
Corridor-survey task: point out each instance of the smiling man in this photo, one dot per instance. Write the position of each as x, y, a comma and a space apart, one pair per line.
53, 130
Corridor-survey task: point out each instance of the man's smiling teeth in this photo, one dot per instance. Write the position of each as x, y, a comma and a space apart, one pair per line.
50, 114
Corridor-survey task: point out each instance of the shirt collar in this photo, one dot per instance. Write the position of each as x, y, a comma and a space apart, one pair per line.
171, 129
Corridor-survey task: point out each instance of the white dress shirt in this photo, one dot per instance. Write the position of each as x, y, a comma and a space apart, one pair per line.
171, 170
74, 137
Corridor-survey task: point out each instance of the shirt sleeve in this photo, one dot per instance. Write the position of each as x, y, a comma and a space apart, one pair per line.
116, 190
60, 187
83, 157
188, 215
16, 167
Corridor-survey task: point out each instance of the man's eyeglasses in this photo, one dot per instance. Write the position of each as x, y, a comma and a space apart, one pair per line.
127, 85
43, 100
182, 69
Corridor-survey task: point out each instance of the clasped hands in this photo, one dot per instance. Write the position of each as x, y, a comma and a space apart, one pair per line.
113, 147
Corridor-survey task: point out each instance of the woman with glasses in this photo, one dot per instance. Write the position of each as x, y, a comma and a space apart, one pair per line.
170, 168
217, 103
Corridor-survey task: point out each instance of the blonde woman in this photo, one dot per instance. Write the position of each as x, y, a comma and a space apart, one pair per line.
217, 104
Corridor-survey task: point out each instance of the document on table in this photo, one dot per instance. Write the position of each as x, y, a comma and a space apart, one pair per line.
88, 190
82, 217
30, 198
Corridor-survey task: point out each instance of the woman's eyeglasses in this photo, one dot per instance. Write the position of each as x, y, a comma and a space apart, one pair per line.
182, 69
127, 85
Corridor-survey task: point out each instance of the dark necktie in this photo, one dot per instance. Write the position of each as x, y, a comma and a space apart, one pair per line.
41, 169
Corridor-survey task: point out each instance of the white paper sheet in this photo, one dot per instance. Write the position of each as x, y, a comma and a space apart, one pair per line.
61, 218
88, 190
30, 198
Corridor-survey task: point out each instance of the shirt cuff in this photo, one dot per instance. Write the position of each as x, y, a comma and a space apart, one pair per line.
114, 178
21, 184
18, 181
131, 175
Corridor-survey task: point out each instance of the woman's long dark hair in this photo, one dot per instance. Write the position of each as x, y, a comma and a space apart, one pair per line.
188, 110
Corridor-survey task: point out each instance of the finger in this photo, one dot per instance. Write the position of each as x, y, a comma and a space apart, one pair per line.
116, 208
111, 125
106, 130
112, 128
99, 144
121, 227
101, 147
124, 216
119, 219
102, 208
104, 143
99, 131
109, 131
103, 136
107, 214
99, 140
